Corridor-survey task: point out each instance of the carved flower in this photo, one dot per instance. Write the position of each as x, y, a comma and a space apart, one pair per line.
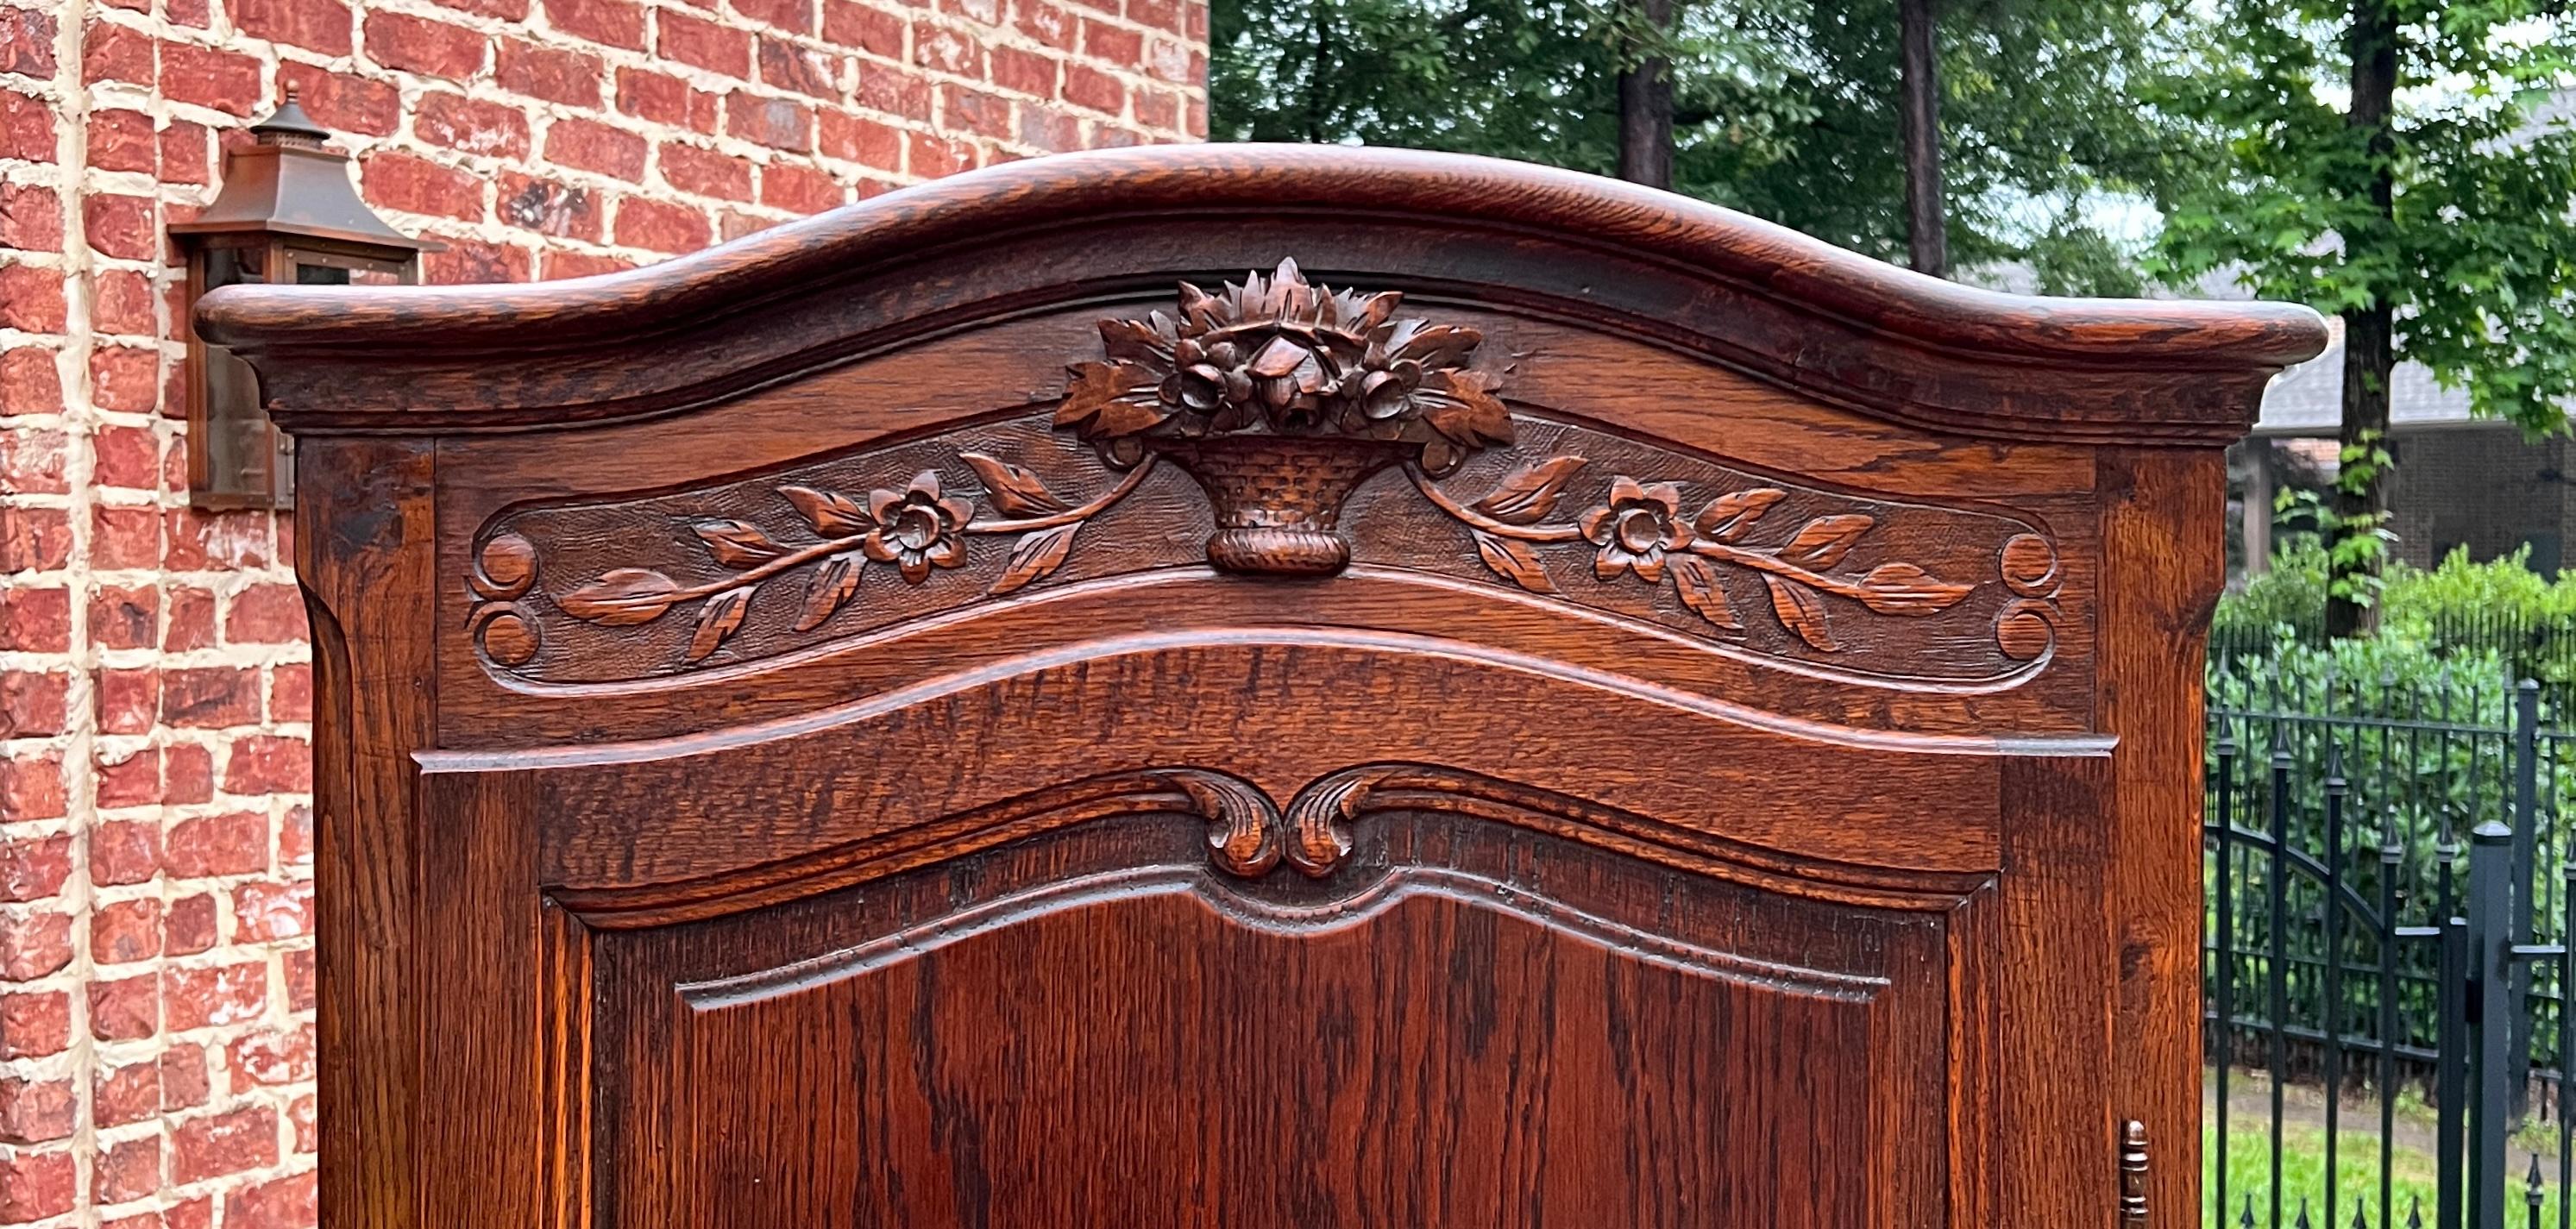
1387, 390
1211, 386
917, 528
1636, 528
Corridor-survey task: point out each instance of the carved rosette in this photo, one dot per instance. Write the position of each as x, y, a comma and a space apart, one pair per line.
2026, 628
1280, 397
504, 629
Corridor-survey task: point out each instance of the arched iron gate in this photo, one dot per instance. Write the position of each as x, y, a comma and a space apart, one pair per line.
2388, 905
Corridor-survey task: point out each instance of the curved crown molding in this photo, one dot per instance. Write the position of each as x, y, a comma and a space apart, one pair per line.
2226, 350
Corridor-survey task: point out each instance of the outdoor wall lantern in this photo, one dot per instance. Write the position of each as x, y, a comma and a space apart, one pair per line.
287, 215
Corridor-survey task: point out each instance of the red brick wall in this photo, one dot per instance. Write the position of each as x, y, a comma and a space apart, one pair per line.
156, 1035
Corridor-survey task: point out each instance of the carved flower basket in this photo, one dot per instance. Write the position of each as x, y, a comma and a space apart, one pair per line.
1278, 498
1280, 397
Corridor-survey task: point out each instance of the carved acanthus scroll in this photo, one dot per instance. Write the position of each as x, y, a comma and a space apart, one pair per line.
1243, 824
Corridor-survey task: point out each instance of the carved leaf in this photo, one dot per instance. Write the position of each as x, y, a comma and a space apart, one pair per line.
1824, 541
1111, 399
722, 617
1036, 555
1801, 610
1461, 406
1014, 490
832, 514
621, 597
834, 582
737, 544
1440, 456
1728, 516
1514, 561
1434, 345
1696, 581
1362, 314
1201, 309
1136, 341
1904, 589
1531, 492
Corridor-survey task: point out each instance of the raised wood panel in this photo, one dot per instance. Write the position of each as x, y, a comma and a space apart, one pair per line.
1902, 594
1278, 710
1577, 1033
1559, 367
528, 529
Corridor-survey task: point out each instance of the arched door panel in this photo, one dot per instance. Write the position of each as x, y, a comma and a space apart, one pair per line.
878, 970
1097, 1027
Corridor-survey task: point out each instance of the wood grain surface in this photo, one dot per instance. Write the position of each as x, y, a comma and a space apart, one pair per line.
1257, 688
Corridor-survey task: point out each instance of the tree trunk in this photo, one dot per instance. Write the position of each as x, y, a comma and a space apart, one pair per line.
2369, 339
1318, 91
1918, 120
1646, 109
2361, 491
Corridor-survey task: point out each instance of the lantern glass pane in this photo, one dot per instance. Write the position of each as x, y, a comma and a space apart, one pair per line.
338, 269
237, 433
238, 448
226, 266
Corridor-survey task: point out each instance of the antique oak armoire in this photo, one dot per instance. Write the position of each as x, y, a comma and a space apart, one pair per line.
1258, 688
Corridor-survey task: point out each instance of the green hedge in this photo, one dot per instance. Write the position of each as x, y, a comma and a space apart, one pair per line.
2459, 606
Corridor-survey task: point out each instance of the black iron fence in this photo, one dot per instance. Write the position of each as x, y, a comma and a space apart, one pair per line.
2387, 969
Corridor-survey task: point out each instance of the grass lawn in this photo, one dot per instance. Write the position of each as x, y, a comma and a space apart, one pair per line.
2303, 1167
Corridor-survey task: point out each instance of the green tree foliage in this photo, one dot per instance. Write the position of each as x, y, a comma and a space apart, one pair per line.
2480, 255
1525, 79
1786, 108
2380, 160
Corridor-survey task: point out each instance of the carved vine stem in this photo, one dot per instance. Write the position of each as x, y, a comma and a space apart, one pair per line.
917, 530
842, 546
1759, 559
1526, 533
1639, 529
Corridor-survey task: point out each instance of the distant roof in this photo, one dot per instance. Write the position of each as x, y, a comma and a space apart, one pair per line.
2308, 399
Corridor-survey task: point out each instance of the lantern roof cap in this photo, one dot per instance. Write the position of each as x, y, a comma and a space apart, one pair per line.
288, 122
290, 182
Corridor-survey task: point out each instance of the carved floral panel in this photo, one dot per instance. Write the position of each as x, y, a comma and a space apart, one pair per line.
601, 592
1272, 429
